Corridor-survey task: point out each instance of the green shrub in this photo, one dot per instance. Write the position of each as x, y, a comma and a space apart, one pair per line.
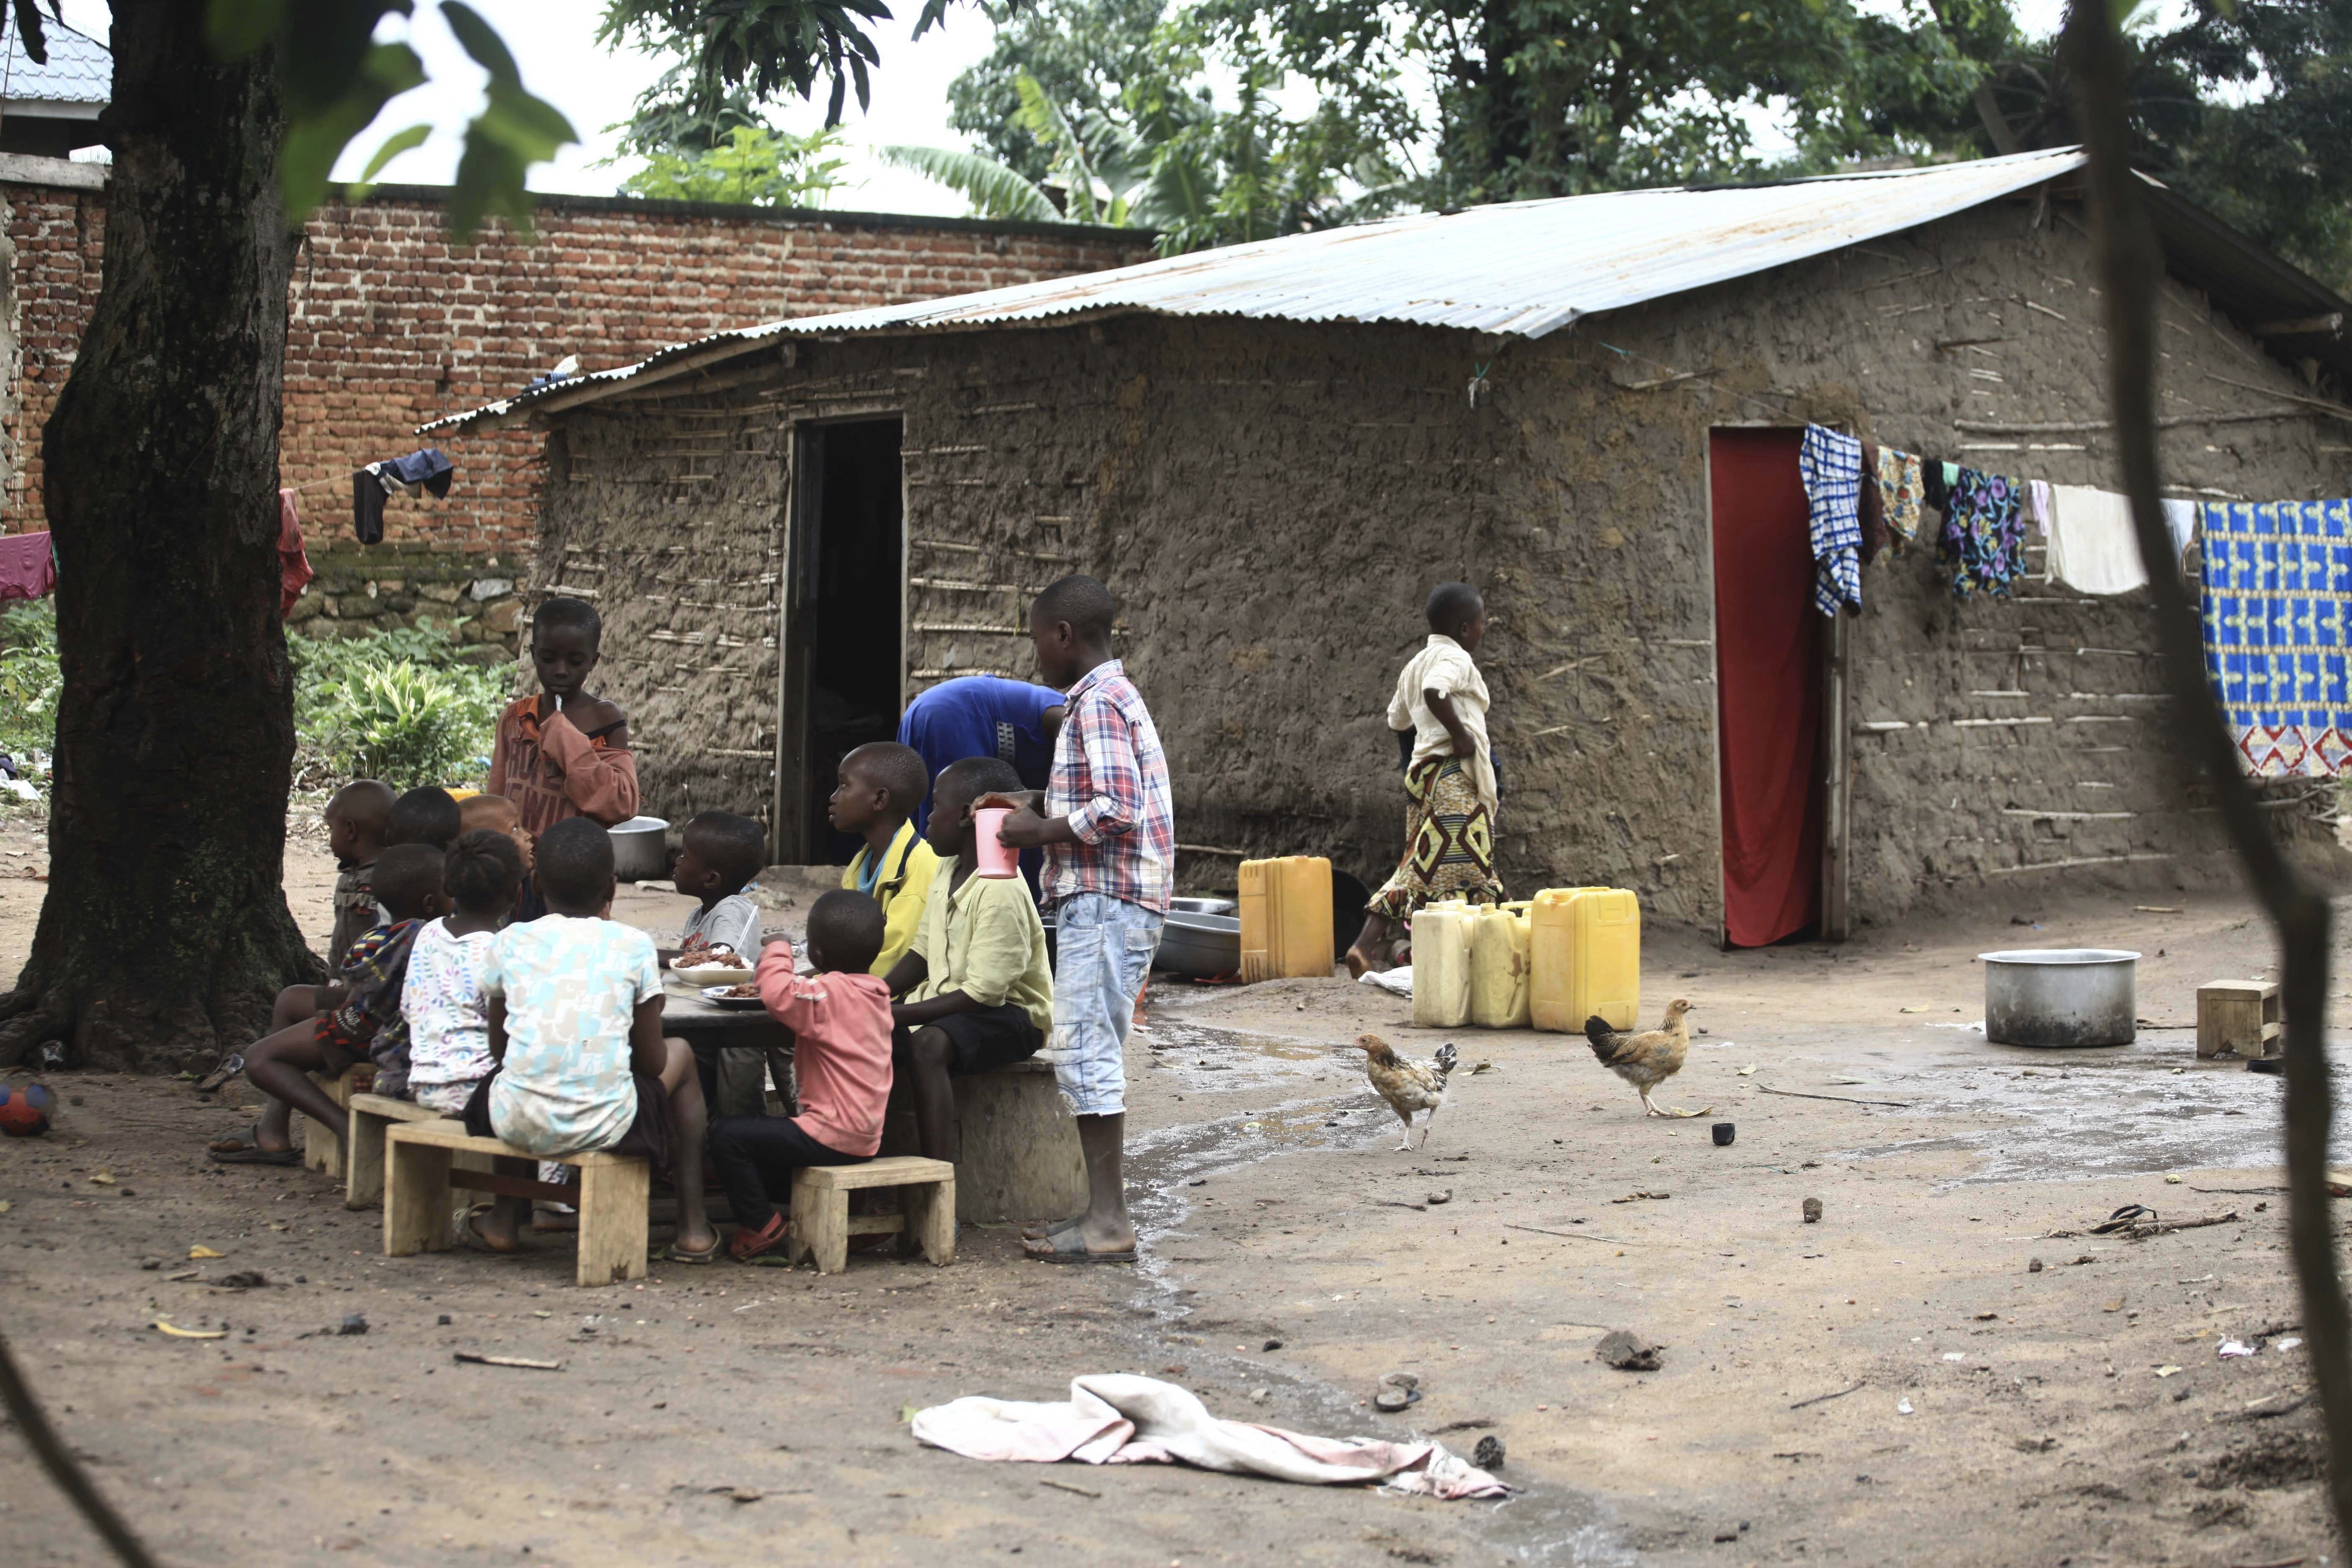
402, 705
30, 682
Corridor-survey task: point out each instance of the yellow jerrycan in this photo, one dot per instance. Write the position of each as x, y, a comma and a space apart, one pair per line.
1441, 966
1501, 958
1587, 946
1286, 919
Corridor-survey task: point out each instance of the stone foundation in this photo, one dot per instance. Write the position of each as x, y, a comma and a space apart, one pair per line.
361, 589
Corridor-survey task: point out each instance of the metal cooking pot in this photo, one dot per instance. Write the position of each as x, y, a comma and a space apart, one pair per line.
2061, 996
641, 849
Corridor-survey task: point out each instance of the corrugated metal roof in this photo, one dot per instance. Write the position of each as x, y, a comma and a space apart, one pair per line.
1523, 267
80, 70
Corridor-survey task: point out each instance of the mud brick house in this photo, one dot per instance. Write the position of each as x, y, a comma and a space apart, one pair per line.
1272, 451
391, 324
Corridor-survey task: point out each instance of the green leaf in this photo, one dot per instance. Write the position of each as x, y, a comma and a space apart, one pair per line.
314, 142
399, 141
993, 190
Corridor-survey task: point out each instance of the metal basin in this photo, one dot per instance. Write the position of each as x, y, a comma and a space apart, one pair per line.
641, 849
1201, 939
2061, 996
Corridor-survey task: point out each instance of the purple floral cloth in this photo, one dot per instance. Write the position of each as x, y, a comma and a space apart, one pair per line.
1984, 533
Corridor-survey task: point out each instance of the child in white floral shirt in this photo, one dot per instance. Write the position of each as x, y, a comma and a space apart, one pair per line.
444, 1001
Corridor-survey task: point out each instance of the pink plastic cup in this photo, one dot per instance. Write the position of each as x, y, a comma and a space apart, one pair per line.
997, 859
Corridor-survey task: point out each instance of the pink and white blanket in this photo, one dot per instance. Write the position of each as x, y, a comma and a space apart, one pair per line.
1118, 1418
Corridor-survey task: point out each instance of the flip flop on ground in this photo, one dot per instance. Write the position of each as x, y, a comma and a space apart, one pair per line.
1070, 1246
765, 1245
469, 1231
244, 1149
1051, 1227
678, 1253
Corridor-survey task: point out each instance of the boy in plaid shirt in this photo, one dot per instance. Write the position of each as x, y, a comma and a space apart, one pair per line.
1109, 831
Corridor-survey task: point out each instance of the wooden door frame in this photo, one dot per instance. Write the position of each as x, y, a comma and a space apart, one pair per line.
803, 505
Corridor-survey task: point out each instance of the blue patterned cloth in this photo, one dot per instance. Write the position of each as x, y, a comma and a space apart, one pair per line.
2276, 600
1831, 465
1984, 532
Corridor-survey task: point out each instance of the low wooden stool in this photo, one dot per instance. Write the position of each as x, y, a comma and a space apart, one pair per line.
322, 1150
822, 1224
2240, 1016
420, 1169
372, 1114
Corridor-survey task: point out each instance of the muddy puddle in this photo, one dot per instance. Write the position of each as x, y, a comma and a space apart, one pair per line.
1298, 1094
2141, 1109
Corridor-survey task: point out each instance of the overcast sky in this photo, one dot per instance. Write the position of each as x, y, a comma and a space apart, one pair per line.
595, 87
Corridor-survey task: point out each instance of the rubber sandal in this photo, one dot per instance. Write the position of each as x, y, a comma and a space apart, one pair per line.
676, 1254
1068, 1247
764, 1246
1050, 1229
253, 1153
470, 1235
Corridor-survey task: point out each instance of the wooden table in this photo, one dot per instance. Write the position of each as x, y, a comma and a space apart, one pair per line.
709, 1028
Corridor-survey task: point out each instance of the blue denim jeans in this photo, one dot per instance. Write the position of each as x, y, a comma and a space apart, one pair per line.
1103, 951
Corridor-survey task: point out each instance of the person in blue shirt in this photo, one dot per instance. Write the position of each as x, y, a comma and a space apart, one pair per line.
984, 716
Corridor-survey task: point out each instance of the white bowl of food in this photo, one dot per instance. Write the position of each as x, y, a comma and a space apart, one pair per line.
712, 964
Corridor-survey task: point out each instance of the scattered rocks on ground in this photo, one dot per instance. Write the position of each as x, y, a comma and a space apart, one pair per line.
2033, 1266
1627, 1351
1813, 1211
354, 1323
1489, 1454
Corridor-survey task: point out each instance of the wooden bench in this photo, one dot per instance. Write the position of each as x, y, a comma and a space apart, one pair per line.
371, 1115
420, 1169
322, 1150
2240, 1016
822, 1224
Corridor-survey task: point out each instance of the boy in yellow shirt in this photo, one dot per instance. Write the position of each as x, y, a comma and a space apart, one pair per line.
880, 786
979, 994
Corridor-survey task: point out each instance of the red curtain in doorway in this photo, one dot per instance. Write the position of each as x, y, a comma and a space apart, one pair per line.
1767, 687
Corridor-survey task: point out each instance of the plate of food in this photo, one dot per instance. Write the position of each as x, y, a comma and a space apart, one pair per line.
741, 995
710, 964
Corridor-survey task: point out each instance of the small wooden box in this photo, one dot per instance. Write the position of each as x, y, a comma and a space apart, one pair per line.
2240, 1017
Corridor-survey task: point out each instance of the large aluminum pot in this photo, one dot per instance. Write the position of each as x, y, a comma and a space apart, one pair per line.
2061, 996
641, 849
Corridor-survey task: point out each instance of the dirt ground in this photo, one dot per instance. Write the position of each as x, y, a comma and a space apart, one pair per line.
1893, 1382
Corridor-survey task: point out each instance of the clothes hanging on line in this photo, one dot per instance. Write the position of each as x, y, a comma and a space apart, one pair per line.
2277, 578
1932, 491
28, 566
428, 469
294, 572
2093, 549
1874, 537
1831, 465
2038, 505
2180, 521
1984, 532
1901, 490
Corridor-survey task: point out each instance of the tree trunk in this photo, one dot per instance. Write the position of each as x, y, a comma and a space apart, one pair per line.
165, 933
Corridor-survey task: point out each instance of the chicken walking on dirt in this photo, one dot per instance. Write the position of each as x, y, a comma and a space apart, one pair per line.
1408, 1086
1647, 1059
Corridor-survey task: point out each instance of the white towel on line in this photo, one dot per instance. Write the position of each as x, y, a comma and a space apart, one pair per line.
2091, 547
2180, 517
1121, 1418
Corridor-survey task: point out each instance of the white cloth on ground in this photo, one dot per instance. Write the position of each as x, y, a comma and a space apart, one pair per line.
2092, 546
1119, 1418
1396, 982
1444, 667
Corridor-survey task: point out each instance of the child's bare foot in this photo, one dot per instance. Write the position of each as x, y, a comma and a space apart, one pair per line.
1363, 960
479, 1229
254, 1146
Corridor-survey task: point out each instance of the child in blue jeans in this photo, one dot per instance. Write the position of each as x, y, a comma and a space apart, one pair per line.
1109, 831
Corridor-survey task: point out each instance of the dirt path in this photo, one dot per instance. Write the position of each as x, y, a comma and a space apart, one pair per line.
708, 1413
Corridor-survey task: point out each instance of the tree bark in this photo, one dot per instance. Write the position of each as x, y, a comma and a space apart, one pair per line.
2130, 261
165, 933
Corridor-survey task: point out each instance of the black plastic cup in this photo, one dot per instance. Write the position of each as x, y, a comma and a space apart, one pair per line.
1723, 1134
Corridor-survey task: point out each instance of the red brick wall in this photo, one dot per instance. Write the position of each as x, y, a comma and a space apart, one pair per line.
391, 325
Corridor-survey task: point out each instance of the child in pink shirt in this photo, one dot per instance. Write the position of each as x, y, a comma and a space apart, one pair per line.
840, 1019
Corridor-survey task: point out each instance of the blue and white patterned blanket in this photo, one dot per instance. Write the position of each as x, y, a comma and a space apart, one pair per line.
1830, 462
2278, 628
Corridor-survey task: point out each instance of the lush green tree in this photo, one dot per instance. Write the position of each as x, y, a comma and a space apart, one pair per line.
753, 165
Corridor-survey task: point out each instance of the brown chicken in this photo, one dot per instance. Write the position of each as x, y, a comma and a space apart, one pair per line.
1408, 1086
1647, 1059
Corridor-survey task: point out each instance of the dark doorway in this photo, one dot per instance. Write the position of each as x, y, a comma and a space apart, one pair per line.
844, 651
1768, 658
